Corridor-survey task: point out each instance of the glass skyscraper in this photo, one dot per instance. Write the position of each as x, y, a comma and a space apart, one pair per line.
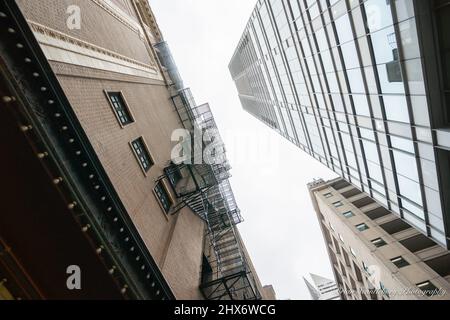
362, 86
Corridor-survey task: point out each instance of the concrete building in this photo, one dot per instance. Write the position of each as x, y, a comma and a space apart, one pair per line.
374, 254
90, 96
362, 86
322, 289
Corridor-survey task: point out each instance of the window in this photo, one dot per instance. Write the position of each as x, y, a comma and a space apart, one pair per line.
418, 243
400, 262
174, 174
142, 154
378, 242
163, 196
328, 195
428, 288
377, 213
395, 226
338, 204
362, 227
348, 214
120, 108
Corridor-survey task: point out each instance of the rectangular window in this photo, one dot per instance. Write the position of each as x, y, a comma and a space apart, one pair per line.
338, 204
163, 196
400, 262
328, 195
120, 107
428, 288
362, 227
378, 242
348, 214
142, 154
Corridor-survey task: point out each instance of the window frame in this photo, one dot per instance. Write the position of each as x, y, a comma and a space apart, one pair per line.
348, 214
380, 240
427, 291
361, 225
399, 262
146, 149
164, 187
125, 106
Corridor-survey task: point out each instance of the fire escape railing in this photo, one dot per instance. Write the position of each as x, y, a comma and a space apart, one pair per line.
204, 187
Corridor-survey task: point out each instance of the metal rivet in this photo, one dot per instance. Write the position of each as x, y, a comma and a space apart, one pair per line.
115, 219
142, 267
71, 140
27, 60
97, 187
132, 249
86, 227
72, 205
51, 101
99, 249
11, 30
148, 276
84, 164
57, 180
35, 74
25, 128
42, 155
103, 198
111, 271
64, 128
127, 239
108, 209
157, 293
43, 89
138, 258
7, 99
78, 153
121, 230
19, 45
3, 15
153, 284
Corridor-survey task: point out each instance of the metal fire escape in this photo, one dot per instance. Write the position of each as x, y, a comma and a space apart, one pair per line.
203, 186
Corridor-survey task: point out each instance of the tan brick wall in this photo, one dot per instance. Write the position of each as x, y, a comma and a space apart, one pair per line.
97, 25
155, 118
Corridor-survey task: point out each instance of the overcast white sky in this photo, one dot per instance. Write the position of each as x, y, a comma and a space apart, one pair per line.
270, 174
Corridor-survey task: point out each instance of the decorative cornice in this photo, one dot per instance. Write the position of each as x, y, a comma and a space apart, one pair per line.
117, 13
47, 31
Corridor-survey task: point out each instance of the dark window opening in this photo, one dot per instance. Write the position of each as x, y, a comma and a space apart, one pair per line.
340, 184
440, 265
163, 196
120, 108
363, 202
395, 226
428, 288
351, 193
400, 262
378, 242
417, 243
142, 154
377, 213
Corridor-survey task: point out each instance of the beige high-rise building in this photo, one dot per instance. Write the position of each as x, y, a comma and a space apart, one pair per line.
373, 253
90, 97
